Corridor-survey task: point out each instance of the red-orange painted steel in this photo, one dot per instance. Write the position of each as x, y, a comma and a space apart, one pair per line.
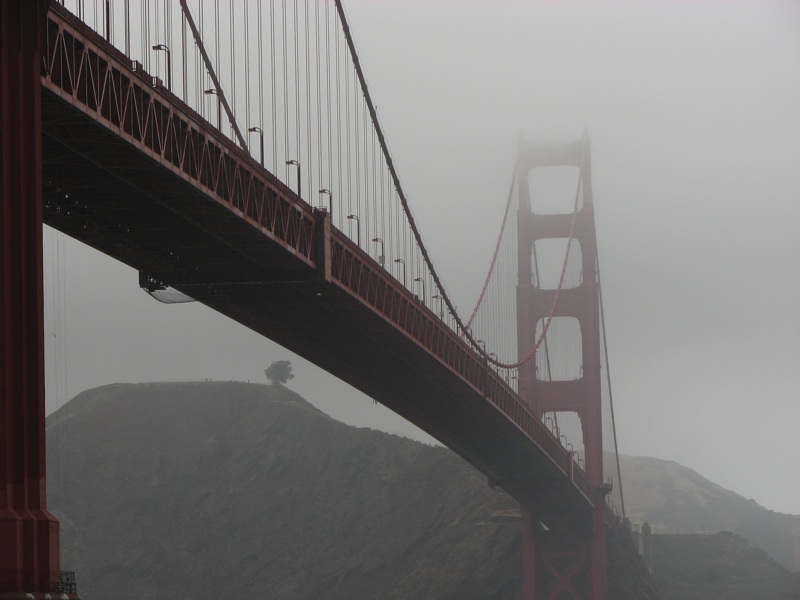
163, 191
29, 566
97, 83
97, 79
563, 550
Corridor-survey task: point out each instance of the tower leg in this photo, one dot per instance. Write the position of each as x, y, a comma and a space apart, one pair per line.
598, 550
564, 557
29, 560
529, 579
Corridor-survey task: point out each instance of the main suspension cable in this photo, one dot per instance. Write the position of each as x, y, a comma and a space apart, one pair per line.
398, 187
549, 319
496, 249
608, 379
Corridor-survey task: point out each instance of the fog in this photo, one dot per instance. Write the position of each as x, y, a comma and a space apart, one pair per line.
693, 115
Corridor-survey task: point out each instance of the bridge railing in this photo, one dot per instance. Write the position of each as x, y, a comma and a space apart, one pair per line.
104, 82
284, 82
367, 280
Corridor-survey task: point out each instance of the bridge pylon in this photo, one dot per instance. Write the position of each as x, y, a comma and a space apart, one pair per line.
563, 547
29, 537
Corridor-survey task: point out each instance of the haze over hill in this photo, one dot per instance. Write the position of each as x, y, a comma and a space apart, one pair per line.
719, 566
210, 490
677, 500
692, 109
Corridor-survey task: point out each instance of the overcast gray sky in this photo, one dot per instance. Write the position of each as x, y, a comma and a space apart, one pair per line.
693, 114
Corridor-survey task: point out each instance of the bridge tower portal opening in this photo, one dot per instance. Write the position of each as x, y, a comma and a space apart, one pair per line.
563, 548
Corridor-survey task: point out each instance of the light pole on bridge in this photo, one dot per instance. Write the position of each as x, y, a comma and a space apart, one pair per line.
402, 262
358, 228
330, 201
260, 132
421, 281
165, 49
214, 92
299, 183
381, 257
441, 305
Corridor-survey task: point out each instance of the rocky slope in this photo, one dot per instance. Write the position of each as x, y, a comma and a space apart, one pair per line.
220, 490
719, 566
677, 500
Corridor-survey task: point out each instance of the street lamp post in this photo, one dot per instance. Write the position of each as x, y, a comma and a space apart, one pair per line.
299, 184
358, 228
402, 262
421, 281
214, 92
330, 201
381, 257
165, 48
260, 132
441, 305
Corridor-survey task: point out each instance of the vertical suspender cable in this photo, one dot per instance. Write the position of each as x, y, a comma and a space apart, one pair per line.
232, 33
261, 69
127, 28
274, 96
608, 379
357, 140
309, 170
297, 122
285, 88
347, 134
390, 164
328, 104
366, 177
246, 17
319, 93
185, 62
222, 100
338, 130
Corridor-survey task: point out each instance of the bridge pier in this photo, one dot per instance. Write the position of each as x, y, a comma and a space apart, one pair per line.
563, 547
563, 553
29, 537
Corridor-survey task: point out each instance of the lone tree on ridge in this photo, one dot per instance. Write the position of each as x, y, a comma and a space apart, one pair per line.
279, 372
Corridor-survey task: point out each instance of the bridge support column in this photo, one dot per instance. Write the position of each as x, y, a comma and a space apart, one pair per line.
529, 578
29, 548
561, 556
564, 553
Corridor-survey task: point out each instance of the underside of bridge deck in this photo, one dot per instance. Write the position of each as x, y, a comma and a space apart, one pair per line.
163, 226
29, 536
130, 170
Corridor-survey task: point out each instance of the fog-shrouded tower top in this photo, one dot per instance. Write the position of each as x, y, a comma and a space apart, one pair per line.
558, 340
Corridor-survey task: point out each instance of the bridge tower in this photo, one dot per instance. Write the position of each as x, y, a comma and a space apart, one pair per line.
563, 547
29, 541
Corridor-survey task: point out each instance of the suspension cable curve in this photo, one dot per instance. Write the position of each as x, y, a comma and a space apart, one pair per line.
608, 379
210, 68
403, 200
496, 249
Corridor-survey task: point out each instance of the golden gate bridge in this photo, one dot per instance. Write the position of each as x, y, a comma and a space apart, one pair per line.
233, 152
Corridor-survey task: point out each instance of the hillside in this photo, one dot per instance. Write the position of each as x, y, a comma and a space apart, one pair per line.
718, 566
215, 490
677, 500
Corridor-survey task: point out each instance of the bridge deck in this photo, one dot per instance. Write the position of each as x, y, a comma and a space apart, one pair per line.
133, 172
